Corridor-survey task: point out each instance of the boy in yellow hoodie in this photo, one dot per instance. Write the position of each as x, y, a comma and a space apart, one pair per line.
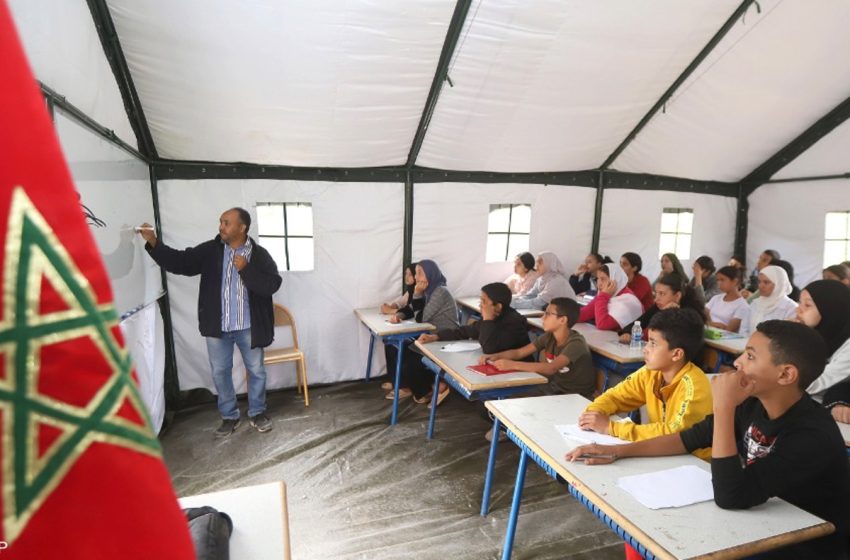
676, 392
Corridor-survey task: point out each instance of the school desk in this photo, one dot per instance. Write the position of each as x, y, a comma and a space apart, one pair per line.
470, 308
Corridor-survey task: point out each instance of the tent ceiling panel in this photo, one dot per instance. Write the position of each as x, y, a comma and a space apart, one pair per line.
65, 53
829, 156
766, 82
551, 85
324, 83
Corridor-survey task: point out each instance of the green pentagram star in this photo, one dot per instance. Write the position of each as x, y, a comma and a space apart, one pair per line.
33, 252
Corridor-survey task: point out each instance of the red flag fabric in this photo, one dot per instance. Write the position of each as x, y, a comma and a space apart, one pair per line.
82, 472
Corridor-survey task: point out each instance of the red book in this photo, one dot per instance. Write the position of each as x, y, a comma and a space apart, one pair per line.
82, 470
489, 369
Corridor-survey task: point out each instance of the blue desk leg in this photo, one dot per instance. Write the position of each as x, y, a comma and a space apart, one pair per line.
512, 519
436, 393
369, 359
400, 346
491, 463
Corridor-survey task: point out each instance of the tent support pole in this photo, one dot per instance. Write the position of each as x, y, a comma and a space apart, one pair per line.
741, 216
407, 252
597, 213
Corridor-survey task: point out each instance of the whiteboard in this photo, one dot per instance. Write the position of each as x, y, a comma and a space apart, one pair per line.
115, 195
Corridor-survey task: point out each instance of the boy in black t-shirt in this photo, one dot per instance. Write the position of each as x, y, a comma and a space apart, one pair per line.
768, 437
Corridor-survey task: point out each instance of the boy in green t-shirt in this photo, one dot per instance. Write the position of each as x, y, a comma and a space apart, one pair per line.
564, 355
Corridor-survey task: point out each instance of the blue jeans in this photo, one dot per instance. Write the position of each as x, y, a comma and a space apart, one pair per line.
220, 351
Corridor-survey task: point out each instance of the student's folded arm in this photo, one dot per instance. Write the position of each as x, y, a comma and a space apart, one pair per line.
461, 333
586, 313
604, 321
495, 337
626, 396
674, 423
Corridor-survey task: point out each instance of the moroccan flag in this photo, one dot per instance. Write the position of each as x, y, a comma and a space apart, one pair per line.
82, 472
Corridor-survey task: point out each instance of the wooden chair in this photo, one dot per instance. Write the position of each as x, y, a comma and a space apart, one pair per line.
283, 318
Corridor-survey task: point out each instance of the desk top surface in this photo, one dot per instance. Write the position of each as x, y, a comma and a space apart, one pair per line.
734, 345
260, 519
602, 342
694, 531
376, 322
455, 364
474, 303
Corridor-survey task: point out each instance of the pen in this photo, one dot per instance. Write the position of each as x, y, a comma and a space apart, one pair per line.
596, 456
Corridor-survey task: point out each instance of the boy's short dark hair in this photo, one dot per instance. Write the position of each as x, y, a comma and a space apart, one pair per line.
681, 328
567, 308
796, 344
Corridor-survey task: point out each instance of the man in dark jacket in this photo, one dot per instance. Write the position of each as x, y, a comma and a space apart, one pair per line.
238, 278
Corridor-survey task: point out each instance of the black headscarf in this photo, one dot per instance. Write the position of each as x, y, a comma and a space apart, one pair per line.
408, 289
500, 293
832, 299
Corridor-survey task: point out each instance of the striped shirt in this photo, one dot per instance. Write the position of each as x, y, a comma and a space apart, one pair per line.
235, 313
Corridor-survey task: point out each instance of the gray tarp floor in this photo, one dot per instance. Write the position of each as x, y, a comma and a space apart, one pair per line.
360, 489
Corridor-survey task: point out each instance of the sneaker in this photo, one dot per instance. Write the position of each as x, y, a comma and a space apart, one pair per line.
489, 435
227, 427
261, 422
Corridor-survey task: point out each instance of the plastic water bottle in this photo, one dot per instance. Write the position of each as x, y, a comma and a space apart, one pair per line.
637, 336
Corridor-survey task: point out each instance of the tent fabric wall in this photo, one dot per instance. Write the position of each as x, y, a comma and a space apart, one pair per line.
631, 221
744, 102
552, 85
145, 338
450, 227
790, 217
827, 157
324, 83
358, 232
65, 53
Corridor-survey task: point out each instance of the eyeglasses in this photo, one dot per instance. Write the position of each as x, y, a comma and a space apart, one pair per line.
548, 314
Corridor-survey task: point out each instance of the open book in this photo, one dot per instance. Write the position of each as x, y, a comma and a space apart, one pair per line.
489, 369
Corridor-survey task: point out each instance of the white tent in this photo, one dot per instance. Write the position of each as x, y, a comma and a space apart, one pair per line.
400, 122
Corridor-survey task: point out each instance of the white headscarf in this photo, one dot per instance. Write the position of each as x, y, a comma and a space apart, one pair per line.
551, 262
763, 305
624, 308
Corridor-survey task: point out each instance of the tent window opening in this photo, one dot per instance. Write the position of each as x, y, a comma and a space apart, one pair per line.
285, 229
677, 226
508, 231
836, 244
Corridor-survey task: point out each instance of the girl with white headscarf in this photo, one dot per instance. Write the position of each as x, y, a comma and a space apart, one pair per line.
615, 305
773, 301
551, 284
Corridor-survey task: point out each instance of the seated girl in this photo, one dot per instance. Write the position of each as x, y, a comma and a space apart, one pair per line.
551, 284
614, 305
404, 299
728, 308
584, 279
671, 292
825, 306
524, 276
773, 301
631, 263
837, 272
704, 283
432, 303
766, 258
670, 264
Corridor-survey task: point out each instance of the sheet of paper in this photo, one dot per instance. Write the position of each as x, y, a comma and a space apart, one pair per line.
677, 487
464, 346
575, 434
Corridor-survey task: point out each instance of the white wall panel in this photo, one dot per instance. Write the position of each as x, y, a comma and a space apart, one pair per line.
450, 227
631, 221
790, 217
64, 52
358, 238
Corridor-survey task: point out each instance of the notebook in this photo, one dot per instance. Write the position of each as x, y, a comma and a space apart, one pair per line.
489, 369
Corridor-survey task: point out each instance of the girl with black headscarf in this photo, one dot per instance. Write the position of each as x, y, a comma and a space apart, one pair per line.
825, 306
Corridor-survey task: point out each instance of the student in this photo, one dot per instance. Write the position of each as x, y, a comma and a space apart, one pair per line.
789, 270
704, 283
766, 258
738, 263
793, 448
825, 306
524, 276
670, 292
584, 279
432, 303
728, 308
670, 264
500, 328
615, 305
837, 272
404, 299
773, 301
564, 355
551, 284
631, 263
